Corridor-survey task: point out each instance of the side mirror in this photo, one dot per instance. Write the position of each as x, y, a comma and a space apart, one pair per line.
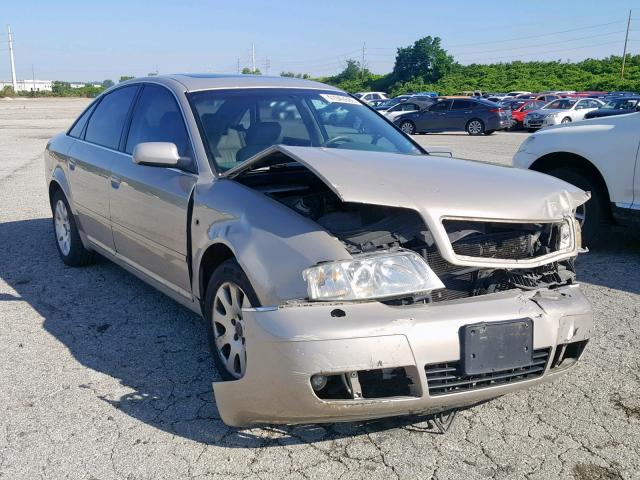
156, 154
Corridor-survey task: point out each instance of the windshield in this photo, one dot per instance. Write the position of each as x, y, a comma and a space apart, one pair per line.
562, 104
237, 124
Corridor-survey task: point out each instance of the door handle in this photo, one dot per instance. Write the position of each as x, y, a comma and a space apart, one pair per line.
115, 181
72, 164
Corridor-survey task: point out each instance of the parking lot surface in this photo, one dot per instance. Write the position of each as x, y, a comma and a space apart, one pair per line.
102, 377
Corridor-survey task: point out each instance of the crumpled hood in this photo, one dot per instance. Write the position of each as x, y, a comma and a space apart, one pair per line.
436, 187
439, 186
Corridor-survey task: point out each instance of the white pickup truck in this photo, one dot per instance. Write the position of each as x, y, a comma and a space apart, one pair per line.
598, 155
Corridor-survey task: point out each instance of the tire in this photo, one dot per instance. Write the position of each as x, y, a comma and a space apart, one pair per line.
489, 132
65, 232
566, 120
408, 127
229, 352
595, 216
475, 126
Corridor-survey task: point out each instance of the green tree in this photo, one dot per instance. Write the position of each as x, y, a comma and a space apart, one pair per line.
425, 60
60, 88
248, 71
107, 83
124, 78
295, 75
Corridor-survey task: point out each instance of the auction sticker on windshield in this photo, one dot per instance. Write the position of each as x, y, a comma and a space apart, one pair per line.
339, 99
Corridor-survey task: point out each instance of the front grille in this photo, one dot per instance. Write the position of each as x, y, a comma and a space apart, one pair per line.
505, 241
448, 377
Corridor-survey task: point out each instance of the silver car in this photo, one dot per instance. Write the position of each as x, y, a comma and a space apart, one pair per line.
343, 272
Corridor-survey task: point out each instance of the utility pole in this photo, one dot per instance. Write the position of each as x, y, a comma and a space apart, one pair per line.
624, 52
253, 58
362, 63
33, 78
13, 65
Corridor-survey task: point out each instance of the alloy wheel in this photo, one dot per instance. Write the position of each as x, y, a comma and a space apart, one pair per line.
63, 227
229, 327
475, 127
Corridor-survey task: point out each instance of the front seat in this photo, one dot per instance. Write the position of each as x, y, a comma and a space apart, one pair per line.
259, 136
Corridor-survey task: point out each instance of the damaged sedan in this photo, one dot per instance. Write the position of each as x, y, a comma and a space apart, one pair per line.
343, 272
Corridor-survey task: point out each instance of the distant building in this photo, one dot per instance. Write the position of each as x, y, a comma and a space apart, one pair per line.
77, 85
30, 85
81, 85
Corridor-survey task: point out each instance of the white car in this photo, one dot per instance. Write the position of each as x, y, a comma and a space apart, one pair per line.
562, 110
367, 96
516, 93
598, 155
404, 107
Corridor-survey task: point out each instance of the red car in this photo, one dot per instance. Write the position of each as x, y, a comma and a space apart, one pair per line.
518, 113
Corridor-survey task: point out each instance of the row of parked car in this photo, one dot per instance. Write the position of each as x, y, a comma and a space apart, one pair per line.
480, 114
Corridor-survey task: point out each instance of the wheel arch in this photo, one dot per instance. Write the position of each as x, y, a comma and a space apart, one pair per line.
556, 160
212, 258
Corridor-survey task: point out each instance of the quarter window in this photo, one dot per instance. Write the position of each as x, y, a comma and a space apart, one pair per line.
157, 118
106, 124
76, 130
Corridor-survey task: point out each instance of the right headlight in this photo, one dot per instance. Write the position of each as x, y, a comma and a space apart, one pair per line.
381, 275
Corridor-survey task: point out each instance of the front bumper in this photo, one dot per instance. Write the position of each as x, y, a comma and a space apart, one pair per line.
289, 344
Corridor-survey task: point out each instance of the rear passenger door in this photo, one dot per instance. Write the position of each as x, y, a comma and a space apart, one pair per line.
460, 113
435, 118
150, 204
90, 158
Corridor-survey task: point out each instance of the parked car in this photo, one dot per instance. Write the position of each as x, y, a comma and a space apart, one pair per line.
547, 97
476, 116
377, 103
516, 93
386, 104
498, 98
563, 110
520, 109
618, 106
599, 156
343, 273
366, 96
410, 105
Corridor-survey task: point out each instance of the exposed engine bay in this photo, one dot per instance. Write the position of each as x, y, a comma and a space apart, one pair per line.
364, 228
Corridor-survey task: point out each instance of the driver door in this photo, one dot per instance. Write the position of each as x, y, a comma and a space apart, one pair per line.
435, 117
149, 205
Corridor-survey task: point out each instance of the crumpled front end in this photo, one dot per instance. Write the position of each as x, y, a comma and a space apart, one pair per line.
323, 362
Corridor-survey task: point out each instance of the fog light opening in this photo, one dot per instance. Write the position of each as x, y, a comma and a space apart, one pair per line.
318, 382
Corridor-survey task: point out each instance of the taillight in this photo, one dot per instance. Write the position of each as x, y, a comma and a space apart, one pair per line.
496, 110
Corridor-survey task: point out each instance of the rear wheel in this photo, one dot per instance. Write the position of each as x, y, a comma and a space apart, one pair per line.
70, 247
408, 127
228, 292
566, 120
592, 215
475, 126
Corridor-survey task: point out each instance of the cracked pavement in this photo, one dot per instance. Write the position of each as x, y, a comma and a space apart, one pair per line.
102, 377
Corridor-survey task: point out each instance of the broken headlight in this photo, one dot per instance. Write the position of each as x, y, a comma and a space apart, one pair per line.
364, 277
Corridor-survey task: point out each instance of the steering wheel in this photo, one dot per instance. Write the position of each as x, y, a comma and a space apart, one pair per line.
337, 140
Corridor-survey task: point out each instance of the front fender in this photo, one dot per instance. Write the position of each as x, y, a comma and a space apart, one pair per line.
272, 243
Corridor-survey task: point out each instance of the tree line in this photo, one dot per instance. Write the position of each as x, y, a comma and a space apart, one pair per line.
426, 66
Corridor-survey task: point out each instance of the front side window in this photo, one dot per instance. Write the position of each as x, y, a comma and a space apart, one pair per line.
107, 122
157, 118
237, 124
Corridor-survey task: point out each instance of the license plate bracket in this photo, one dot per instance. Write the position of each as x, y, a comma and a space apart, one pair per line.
496, 346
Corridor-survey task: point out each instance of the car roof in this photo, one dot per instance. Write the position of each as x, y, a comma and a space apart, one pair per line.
208, 81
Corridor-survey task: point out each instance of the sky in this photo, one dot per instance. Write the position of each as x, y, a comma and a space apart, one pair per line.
91, 41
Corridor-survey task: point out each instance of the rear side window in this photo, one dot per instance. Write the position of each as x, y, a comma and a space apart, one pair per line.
157, 118
463, 105
106, 124
78, 127
440, 106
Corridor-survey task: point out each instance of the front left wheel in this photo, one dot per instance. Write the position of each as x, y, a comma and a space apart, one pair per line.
228, 292
408, 127
70, 247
